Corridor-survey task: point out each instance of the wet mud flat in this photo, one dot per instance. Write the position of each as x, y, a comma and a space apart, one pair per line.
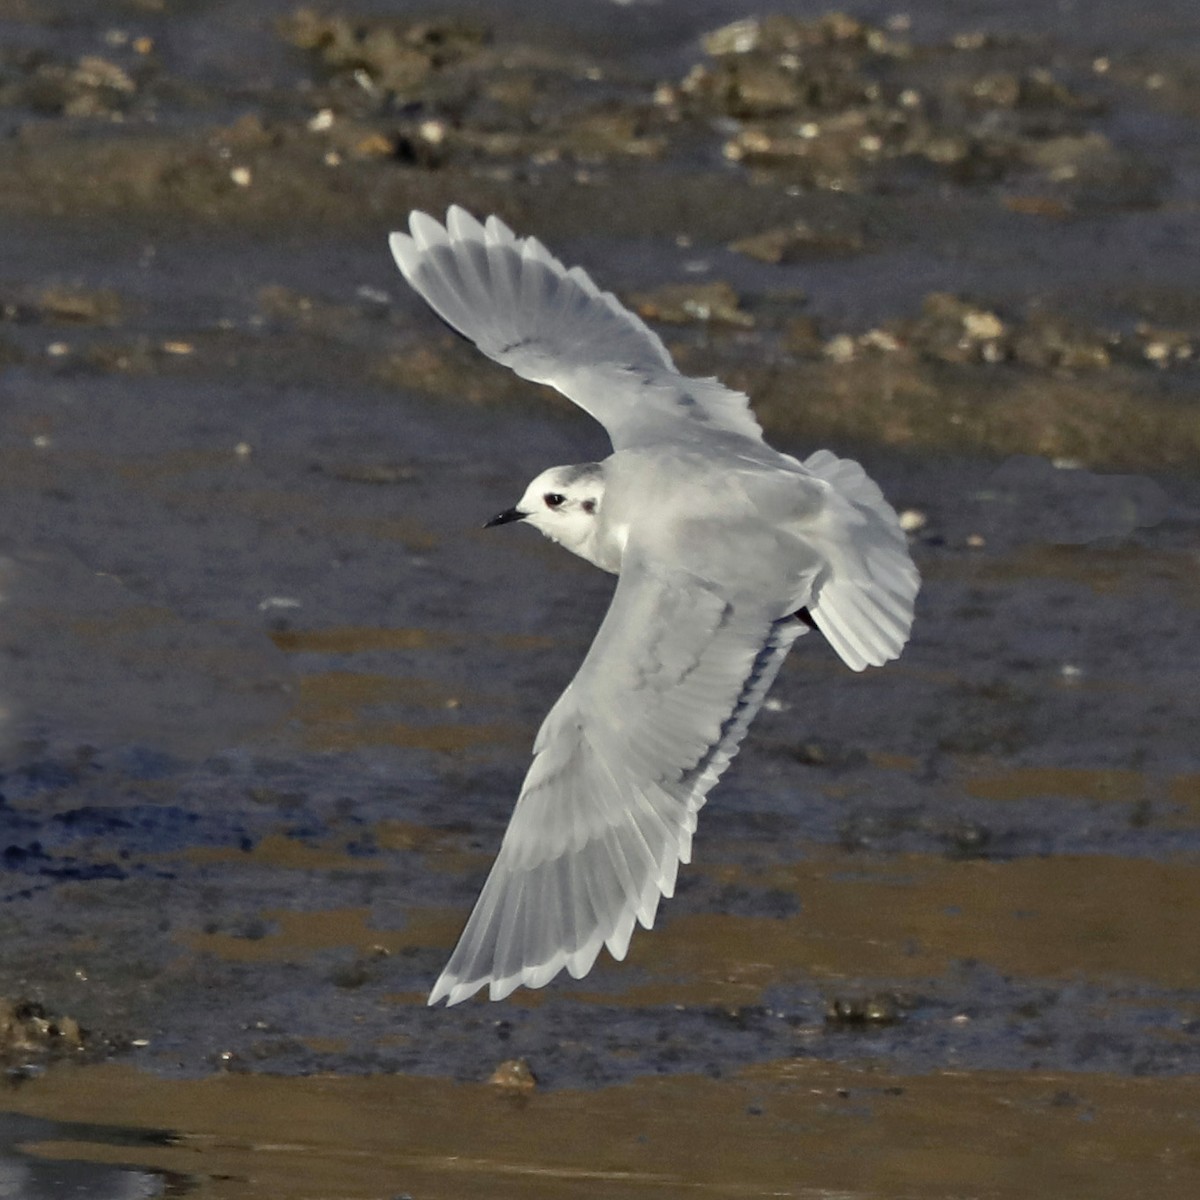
269, 691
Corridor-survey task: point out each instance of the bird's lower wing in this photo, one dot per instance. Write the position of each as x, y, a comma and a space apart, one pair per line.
523, 308
621, 767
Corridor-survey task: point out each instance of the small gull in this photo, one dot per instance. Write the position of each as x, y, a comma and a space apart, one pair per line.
725, 550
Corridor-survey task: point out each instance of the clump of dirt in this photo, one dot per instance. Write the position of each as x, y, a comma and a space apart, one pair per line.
710, 302
836, 103
779, 114
1119, 417
109, 86
877, 1009
514, 1077
64, 304
447, 368
392, 60
93, 87
433, 93
951, 329
831, 104
799, 242
29, 1032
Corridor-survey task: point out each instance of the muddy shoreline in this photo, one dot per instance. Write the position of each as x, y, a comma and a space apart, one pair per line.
268, 690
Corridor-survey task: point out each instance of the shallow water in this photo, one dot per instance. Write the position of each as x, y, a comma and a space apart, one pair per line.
268, 690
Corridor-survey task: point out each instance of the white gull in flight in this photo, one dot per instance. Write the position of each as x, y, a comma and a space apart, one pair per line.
726, 551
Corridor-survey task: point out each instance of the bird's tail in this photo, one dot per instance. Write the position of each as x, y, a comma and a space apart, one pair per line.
862, 599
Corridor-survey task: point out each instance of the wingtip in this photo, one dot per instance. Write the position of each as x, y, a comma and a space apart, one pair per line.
453, 991
462, 226
404, 251
618, 941
538, 977
497, 231
498, 989
582, 961
426, 230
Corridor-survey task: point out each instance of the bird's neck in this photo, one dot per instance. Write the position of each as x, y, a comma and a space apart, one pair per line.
603, 547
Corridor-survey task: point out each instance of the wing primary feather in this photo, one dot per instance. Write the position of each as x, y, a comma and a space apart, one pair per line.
461, 226
527, 929
547, 918
535, 949
564, 891
621, 867
523, 308
405, 252
504, 272
474, 269
586, 920
649, 910
618, 940
426, 231
637, 804
507, 954
603, 890
496, 232
438, 281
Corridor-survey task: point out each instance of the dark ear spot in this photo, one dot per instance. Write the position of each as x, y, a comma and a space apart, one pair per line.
588, 506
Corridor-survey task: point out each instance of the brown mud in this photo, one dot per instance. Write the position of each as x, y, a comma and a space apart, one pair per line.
267, 690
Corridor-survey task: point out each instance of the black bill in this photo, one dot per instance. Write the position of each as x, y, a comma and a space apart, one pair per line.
508, 515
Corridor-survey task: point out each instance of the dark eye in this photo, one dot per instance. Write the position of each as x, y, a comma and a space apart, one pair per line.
553, 499
588, 506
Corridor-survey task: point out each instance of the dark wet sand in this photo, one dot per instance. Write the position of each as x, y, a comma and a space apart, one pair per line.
269, 691
801, 1128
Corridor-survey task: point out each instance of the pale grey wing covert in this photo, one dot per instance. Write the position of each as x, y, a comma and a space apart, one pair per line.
621, 767
523, 308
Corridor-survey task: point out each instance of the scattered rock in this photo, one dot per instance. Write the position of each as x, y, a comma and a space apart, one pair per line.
953, 330
1032, 88
802, 337
879, 1008
686, 303
27, 1029
1165, 348
967, 839
92, 87
833, 755
393, 59
779, 34
514, 1077
839, 104
797, 243
79, 306
1051, 342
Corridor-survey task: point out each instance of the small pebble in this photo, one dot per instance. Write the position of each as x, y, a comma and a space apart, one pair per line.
514, 1076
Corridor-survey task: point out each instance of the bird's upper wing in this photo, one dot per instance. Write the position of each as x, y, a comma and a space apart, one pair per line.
522, 307
621, 766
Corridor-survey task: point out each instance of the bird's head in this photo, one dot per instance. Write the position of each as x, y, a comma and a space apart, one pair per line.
563, 502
